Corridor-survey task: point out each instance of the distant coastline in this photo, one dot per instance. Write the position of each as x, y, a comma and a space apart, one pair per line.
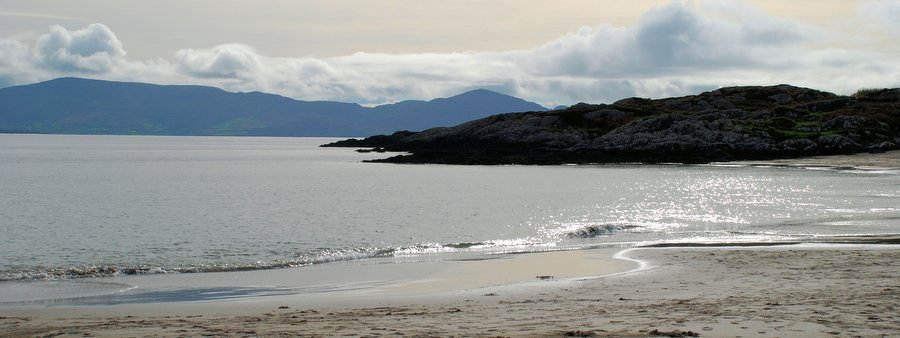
14, 131
95, 107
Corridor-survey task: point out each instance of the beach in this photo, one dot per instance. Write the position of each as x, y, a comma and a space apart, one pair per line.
810, 290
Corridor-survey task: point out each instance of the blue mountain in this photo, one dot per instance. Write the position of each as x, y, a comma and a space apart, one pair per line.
83, 106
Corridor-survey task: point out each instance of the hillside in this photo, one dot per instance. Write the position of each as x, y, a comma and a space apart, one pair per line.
735, 123
82, 106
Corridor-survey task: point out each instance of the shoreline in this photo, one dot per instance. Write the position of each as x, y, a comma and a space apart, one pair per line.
342, 284
889, 160
787, 290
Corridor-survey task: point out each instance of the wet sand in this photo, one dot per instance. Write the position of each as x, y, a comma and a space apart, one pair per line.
779, 291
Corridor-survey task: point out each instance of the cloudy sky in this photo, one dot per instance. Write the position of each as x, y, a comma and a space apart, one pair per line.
373, 51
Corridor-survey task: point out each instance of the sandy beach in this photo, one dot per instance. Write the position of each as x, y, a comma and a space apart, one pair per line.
774, 291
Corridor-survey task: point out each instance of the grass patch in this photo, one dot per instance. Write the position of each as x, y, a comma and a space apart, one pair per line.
866, 92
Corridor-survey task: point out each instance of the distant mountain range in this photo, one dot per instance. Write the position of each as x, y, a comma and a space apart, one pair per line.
83, 106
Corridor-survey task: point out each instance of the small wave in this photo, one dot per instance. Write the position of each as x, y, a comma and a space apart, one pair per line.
466, 245
493, 246
78, 272
597, 230
322, 256
66, 273
343, 255
423, 249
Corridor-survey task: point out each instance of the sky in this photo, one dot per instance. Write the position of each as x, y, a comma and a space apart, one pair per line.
376, 51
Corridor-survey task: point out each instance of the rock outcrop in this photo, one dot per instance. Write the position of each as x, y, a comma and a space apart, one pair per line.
734, 123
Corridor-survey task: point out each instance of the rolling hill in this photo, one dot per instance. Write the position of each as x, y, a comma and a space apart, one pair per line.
83, 106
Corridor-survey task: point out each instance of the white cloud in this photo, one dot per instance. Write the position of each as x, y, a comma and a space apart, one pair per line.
94, 49
675, 49
669, 40
224, 61
16, 64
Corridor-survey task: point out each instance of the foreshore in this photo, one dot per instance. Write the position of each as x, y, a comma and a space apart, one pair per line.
772, 291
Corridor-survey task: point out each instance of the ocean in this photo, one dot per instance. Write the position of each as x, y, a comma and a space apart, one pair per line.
95, 206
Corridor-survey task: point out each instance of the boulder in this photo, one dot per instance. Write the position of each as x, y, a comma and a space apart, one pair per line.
549, 121
827, 105
781, 98
844, 122
837, 143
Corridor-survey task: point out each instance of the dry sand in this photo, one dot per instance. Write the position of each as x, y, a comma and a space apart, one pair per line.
782, 291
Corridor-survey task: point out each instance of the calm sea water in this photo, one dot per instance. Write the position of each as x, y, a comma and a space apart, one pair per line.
75, 206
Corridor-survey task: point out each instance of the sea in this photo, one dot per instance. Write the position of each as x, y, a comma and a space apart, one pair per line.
100, 206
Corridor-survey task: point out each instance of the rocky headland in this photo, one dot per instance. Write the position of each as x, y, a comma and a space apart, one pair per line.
727, 124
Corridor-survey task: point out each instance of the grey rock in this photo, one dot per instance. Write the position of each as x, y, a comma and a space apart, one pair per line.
677, 105
798, 145
844, 122
548, 121
723, 104
826, 106
883, 146
781, 98
809, 129
701, 105
606, 114
838, 143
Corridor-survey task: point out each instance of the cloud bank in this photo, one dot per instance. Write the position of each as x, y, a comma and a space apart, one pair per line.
676, 49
